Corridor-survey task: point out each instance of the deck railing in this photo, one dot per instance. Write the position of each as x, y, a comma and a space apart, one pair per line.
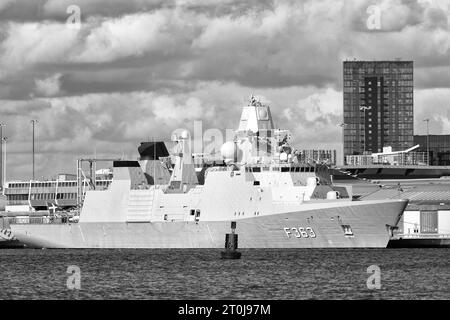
421, 236
37, 220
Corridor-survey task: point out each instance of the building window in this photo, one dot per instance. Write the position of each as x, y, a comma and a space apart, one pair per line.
428, 222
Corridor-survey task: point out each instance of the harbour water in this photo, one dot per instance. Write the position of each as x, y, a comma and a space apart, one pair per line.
201, 274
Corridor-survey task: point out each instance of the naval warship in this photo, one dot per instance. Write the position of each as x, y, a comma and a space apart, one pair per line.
162, 201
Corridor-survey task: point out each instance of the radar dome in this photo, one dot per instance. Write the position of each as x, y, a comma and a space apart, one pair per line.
184, 134
283, 156
262, 113
228, 150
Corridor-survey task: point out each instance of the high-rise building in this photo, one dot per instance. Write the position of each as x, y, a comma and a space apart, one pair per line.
378, 106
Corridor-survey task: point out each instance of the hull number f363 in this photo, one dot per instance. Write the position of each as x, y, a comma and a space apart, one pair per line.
300, 232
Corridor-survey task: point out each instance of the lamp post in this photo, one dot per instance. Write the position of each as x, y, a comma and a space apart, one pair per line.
343, 125
428, 141
363, 109
3, 181
33, 122
1, 154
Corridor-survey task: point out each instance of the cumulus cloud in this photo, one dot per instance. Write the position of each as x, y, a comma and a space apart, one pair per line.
142, 68
30, 44
318, 112
279, 43
128, 36
433, 104
50, 86
5, 4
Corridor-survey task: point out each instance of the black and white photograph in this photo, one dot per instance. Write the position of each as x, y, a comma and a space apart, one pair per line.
225, 155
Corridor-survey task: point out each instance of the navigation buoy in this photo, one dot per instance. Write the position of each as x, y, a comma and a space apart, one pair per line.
231, 244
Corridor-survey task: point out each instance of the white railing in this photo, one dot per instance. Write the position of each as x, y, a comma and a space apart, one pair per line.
422, 236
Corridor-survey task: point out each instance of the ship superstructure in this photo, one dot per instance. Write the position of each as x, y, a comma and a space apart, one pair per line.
161, 201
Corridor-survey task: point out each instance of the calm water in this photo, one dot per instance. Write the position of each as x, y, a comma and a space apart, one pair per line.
201, 274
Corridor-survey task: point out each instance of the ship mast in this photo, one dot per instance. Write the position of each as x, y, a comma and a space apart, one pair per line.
183, 176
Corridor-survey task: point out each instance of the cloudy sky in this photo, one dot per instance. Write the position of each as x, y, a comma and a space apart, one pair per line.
131, 70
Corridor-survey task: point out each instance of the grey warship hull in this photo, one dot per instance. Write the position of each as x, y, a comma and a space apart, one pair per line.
325, 228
